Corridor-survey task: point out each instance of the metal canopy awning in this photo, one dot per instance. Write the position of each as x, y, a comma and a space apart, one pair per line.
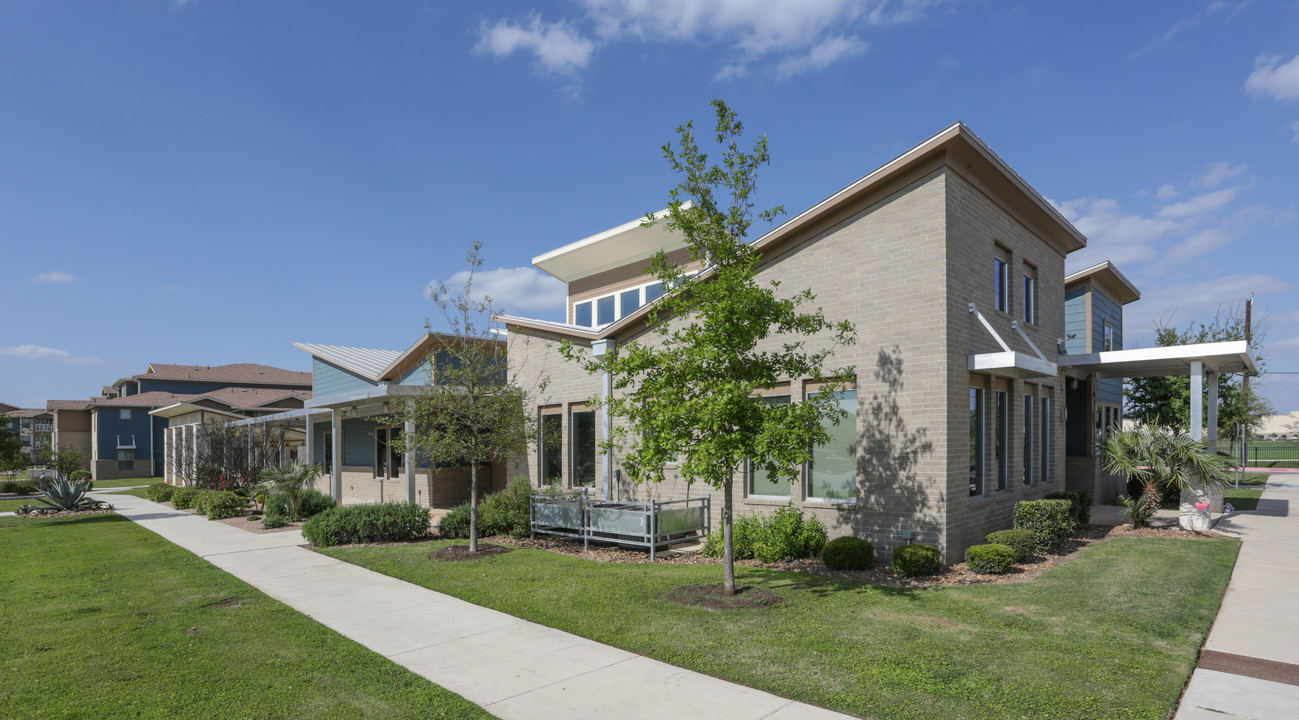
1013, 364
1219, 357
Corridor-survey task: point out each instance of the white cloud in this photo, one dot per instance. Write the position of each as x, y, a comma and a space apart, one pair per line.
803, 36
517, 290
1113, 234
558, 47
1200, 205
1187, 23
36, 352
55, 276
1166, 192
823, 55
1295, 126
1274, 78
1219, 173
1181, 303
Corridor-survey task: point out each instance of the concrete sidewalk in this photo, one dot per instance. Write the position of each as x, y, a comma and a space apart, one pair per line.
510, 667
1249, 667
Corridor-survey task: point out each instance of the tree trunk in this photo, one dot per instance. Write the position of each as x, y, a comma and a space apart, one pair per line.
473, 507
728, 550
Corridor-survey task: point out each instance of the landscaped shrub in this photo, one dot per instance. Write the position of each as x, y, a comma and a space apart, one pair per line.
916, 560
18, 487
275, 520
220, 504
848, 553
771, 538
506, 512
183, 498
385, 522
160, 492
82, 476
310, 503
455, 524
1080, 505
1050, 520
1020, 541
992, 559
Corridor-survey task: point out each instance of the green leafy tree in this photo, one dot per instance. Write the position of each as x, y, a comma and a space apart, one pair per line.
11, 447
63, 460
1166, 401
471, 413
1161, 459
290, 480
718, 337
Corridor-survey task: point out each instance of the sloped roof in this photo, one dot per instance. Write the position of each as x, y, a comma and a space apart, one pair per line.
241, 373
238, 398
25, 412
367, 361
1108, 277
70, 404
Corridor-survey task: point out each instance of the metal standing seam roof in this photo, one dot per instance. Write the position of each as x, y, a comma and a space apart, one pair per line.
369, 362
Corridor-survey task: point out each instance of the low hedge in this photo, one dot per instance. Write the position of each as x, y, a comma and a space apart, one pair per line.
916, 560
384, 522
311, 502
184, 498
848, 553
455, 524
992, 559
219, 504
1080, 504
1021, 542
160, 492
770, 538
1052, 521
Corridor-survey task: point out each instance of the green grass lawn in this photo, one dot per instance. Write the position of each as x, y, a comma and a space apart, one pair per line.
11, 504
107, 620
1113, 633
126, 482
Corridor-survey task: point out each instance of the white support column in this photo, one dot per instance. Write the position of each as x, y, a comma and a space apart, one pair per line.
252, 438
600, 349
310, 459
1197, 399
408, 431
1212, 379
336, 455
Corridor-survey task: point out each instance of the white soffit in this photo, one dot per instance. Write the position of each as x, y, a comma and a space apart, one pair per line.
1012, 365
610, 249
1220, 357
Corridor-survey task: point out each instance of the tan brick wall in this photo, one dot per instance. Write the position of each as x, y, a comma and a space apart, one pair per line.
440, 489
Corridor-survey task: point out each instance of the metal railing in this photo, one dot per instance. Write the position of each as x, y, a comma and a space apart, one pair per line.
649, 525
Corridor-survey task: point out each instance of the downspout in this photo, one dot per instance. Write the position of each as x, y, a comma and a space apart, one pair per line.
600, 349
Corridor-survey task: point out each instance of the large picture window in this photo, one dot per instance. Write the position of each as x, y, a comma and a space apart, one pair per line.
978, 469
582, 425
552, 447
1028, 439
832, 474
1003, 439
760, 482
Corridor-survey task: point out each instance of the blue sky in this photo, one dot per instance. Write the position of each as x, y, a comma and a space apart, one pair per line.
210, 181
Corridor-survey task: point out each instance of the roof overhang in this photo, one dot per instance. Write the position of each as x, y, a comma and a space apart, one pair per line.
1109, 279
1013, 365
1219, 357
364, 398
184, 408
610, 249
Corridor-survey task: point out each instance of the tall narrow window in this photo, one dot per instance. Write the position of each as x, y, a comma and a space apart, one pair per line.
1030, 294
327, 446
552, 461
1003, 439
1028, 439
978, 469
582, 314
832, 474
396, 460
1002, 280
762, 483
604, 310
582, 424
381, 456
1046, 439
1109, 337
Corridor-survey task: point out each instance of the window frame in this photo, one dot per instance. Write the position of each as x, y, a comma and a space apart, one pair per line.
1001, 283
125, 463
978, 442
750, 471
574, 439
1030, 294
1107, 337
809, 486
1001, 441
558, 446
1030, 409
1045, 431
124, 413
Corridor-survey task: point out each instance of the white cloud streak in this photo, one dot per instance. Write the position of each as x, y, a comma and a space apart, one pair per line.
557, 47
55, 276
36, 352
1274, 79
1175, 304
823, 55
518, 291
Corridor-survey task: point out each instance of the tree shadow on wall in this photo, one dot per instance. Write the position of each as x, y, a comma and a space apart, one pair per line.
893, 498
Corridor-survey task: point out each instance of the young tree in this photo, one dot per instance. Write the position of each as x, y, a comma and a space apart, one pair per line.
471, 412
1166, 401
64, 460
11, 447
720, 336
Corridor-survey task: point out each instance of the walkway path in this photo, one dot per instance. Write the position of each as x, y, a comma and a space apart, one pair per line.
1249, 667
511, 667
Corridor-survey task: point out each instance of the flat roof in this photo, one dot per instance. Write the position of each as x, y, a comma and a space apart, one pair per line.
1221, 357
611, 249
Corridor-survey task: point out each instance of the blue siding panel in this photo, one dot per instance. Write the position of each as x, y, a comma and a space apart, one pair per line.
111, 426
1075, 321
330, 379
181, 387
418, 375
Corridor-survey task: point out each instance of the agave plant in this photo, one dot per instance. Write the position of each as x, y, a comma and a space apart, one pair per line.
64, 494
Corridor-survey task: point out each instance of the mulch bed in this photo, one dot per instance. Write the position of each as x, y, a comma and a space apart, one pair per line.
243, 522
460, 553
956, 574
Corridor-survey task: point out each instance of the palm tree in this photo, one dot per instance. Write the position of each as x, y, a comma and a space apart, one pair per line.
289, 479
1161, 459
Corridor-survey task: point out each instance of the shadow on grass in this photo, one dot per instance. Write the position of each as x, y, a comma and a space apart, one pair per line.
821, 586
